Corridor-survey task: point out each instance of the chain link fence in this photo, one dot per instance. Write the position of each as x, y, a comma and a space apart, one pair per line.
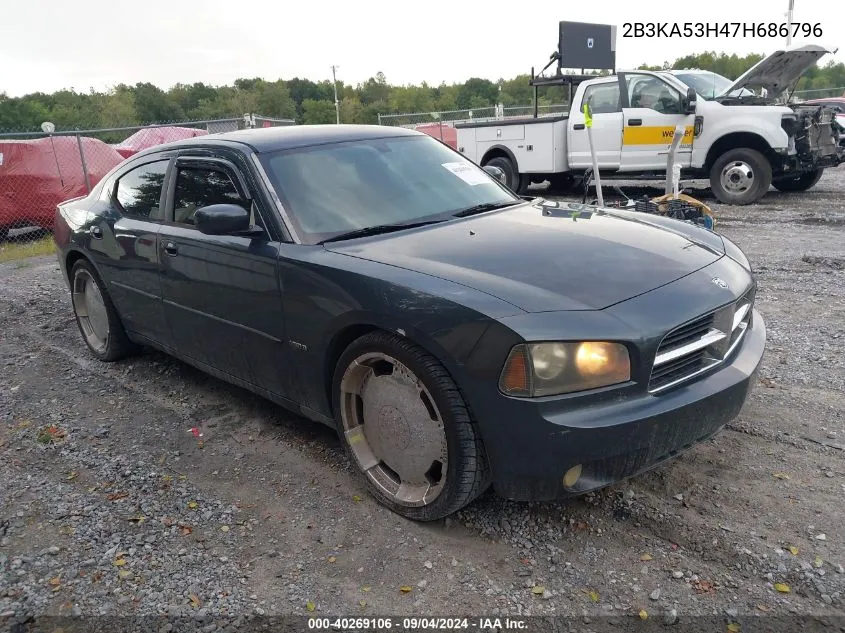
820, 93
441, 125
38, 170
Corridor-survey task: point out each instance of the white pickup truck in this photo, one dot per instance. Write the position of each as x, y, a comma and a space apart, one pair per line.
742, 140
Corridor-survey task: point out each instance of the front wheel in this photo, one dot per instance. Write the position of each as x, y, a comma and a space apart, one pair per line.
800, 183
740, 176
407, 428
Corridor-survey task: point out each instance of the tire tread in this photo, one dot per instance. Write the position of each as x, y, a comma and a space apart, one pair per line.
473, 475
119, 346
761, 168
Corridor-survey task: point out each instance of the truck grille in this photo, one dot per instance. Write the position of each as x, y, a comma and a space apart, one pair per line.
701, 344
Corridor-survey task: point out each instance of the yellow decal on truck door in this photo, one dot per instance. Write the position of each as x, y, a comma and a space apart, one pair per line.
653, 135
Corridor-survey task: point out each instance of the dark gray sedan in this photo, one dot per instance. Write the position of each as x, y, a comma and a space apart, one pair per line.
455, 334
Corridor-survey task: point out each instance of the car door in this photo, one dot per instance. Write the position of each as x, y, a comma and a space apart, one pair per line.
221, 292
651, 109
123, 245
603, 99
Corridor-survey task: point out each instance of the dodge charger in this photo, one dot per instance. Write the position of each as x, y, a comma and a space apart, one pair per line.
457, 336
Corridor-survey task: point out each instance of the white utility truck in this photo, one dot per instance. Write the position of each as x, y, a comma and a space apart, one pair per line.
741, 135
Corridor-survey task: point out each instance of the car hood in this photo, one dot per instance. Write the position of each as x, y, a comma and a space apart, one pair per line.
780, 70
546, 256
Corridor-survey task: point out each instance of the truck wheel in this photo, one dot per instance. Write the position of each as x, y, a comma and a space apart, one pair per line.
801, 183
515, 182
740, 176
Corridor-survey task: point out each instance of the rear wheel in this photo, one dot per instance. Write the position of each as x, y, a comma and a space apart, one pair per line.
96, 315
740, 176
514, 181
801, 183
407, 428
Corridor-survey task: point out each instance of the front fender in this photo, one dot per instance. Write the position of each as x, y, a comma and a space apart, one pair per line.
724, 121
329, 297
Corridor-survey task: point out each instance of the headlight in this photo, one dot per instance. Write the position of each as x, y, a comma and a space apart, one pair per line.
732, 251
548, 369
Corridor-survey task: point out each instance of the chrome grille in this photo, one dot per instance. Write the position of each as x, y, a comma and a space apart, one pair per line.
701, 344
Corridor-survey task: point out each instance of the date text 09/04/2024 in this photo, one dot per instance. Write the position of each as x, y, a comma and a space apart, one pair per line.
721, 29
415, 624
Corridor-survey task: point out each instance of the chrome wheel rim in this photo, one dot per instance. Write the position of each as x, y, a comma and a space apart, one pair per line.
90, 310
737, 177
394, 429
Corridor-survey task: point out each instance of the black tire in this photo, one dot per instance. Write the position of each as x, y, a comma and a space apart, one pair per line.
467, 471
747, 172
514, 180
803, 182
116, 344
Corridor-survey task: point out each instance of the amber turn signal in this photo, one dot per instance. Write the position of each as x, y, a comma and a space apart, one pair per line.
516, 375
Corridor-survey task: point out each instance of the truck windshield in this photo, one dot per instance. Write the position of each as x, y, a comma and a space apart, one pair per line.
708, 84
328, 190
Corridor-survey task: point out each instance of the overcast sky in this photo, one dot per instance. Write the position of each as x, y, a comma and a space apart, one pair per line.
46, 45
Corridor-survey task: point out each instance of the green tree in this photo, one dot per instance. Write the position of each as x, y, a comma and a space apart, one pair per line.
115, 108
273, 99
516, 91
313, 101
374, 90
352, 110
314, 112
189, 97
21, 114
412, 99
154, 106
476, 93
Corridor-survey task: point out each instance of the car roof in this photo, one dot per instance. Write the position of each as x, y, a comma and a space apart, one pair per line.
271, 139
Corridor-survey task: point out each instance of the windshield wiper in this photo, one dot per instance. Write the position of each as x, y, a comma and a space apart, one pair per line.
377, 229
481, 208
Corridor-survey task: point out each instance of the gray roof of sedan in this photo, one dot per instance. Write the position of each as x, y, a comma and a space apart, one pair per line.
270, 139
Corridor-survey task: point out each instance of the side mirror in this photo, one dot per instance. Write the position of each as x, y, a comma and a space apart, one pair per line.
497, 173
221, 219
691, 101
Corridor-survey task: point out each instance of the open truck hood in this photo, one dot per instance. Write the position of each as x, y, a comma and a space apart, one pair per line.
549, 256
781, 70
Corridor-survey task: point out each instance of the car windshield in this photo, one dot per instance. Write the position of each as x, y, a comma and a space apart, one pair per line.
707, 84
328, 190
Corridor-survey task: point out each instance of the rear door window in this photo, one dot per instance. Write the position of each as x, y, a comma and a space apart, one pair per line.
139, 191
602, 98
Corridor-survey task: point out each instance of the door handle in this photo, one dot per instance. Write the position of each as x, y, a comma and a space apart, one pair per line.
170, 249
578, 126
96, 232
635, 121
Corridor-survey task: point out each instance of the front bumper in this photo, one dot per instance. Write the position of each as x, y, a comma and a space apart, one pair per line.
621, 438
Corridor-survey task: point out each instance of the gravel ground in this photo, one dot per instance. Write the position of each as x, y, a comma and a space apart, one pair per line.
111, 505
